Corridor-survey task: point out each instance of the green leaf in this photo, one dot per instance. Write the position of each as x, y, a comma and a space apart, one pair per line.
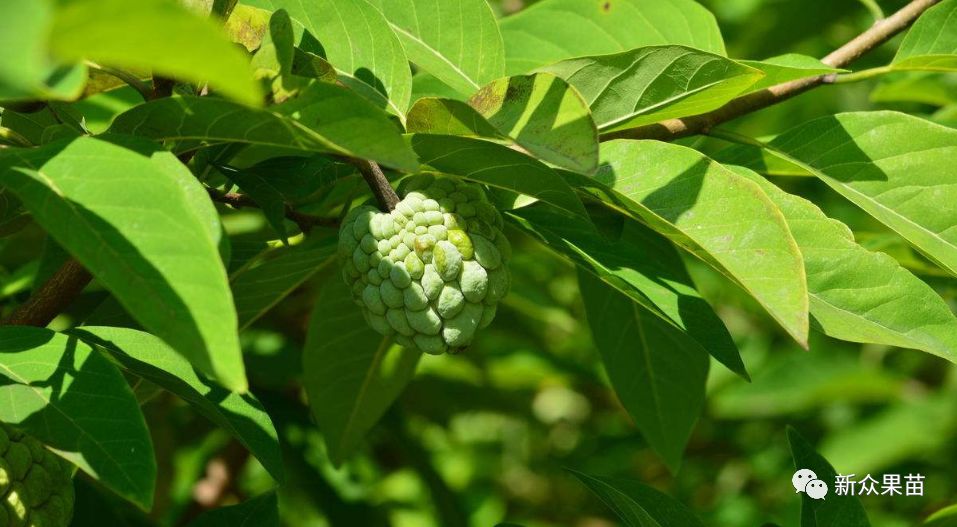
434, 115
946, 517
834, 510
650, 84
354, 37
145, 228
148, 357
457, 41
351, 374
264, 282
554, 30
786, 68
658, 371
261, 511
895, 167
713, 213
324, 118
57, 389
269, 198
638, 505
498, 166
935, 89
876, 443
545, 115
660, 284
155, 35
859, 295
931, 43
26, 70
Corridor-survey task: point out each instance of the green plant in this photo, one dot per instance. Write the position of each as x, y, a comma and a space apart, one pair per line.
185, 217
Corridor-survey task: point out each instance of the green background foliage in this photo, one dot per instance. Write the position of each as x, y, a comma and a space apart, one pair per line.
692, 317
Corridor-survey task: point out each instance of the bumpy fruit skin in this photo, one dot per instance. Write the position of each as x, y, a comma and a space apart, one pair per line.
433, 270
36, 486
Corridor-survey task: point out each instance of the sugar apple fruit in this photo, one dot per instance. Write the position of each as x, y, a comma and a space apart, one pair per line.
36, 485
432, 271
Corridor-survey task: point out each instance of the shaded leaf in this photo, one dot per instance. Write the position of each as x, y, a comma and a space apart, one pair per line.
946, 517
457, 41
638, 505
264, 282
351, 373
859, 295
713, 213
834, 510
354, 37
544, 115
434, 115
153, 35
658, 371
894, 166
324, 118
660, 284
269, 198
148, 357
57, 389
931, 43
650, 84
145, 228
554, 30
498, 166
261, 511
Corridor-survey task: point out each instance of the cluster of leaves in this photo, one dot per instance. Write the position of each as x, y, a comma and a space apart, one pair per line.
124, 124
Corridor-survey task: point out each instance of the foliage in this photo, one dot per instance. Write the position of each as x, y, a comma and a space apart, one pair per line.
719, 271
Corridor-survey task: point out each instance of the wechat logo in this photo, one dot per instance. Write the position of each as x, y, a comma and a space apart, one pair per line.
806, 481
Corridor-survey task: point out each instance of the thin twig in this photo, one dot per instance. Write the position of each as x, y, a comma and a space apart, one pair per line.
51, 298
306, 222
381, 189
879, 33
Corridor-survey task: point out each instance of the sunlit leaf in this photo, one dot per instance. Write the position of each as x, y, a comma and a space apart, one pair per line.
931, 43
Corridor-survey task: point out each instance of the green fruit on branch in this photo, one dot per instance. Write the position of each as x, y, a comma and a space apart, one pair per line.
432, 271
36, 486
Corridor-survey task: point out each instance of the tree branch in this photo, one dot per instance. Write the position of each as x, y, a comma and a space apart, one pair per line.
381, 189
51, 298
878, 34
306, 222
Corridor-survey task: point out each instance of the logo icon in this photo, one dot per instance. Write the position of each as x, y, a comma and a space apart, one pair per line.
806, 481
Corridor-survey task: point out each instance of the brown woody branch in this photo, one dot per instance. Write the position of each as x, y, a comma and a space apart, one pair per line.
381, 189
878, 34
51, 298
306, 222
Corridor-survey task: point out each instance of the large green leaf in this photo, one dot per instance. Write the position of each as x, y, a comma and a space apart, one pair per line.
324, 118
931, 43
657, 370
498, 166
440, 116
261, 511
897, 168
660, 284
351, 373
26, 69
57, 389
785, 68
554, 30
148, 357
545, 115
156, 35
354, 37
717, 215
264, 282
858, 295
638, 505
646, 85
835, 510
457, 41
145, 228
